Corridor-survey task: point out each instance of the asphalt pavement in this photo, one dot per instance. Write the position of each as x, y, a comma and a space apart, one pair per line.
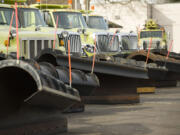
156, 114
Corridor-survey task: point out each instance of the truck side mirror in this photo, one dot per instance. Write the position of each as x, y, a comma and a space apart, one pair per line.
48, 19
107, 23
87, 19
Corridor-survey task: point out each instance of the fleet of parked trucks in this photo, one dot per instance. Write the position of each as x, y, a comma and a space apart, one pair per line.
53, 58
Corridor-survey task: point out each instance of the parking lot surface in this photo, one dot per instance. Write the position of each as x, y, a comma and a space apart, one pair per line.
157, 114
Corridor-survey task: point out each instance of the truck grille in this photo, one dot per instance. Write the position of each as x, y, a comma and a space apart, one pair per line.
75, 43
106, 43
31, 47
154, 45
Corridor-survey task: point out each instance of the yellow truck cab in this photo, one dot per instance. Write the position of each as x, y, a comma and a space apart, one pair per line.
70, 30
154, 31
127, 41
71, 20
30, 19
31, 41
99, 23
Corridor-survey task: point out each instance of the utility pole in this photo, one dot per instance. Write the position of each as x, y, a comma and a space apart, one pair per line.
150, 8
76, 5
149, 11
87, 5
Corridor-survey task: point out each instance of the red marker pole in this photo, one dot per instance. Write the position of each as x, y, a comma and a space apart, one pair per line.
94, 56
10, 30
55, 34
150, 43
113, 38
170, 47
17, 34
69, 58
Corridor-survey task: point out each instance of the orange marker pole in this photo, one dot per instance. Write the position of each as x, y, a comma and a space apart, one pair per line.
17, 34
38, 1
170, 47
150, 43
55, 33
70, 3
10, 30
69, 58
93, 7
94, 56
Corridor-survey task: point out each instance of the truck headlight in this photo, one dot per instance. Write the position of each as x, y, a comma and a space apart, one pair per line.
89, 48
65, 34
6, 42
61, 42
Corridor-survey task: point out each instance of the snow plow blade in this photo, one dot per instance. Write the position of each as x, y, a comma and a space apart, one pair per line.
114, 90
25, 83
113, 77
105, 67
168, 77
85, 83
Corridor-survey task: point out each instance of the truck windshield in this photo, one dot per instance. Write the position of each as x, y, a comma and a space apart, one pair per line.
69, 20
97, 22
30, 17
148, 34
5, 16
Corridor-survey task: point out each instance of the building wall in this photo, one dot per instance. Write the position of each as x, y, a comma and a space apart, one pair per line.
176, 36
168, 15
130, 15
